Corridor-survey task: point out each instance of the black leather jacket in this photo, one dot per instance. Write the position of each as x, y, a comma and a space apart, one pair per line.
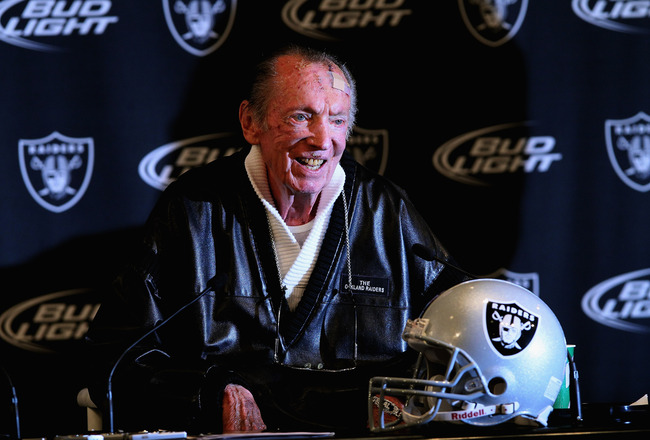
309, 368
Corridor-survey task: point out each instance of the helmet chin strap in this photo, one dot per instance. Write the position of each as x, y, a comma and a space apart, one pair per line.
470, 410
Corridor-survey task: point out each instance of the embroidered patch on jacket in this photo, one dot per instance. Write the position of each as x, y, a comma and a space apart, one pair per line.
365, 285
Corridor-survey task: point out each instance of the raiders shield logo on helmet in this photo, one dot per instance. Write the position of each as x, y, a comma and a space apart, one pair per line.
200, 26
56, 169
509, 327
628, 147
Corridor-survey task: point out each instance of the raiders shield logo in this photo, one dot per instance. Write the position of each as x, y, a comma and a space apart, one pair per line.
628, 147
529, 281
200, 26
509, 327
56, 169
369, 148
493, 22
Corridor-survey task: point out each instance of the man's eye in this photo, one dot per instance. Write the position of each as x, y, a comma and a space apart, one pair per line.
300, 117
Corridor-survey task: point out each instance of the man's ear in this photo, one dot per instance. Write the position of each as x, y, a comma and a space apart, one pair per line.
249, 127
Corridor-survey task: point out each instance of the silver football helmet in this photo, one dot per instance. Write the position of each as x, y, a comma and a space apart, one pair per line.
490, 351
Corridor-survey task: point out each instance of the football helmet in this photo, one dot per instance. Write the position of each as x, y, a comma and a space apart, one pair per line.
490, 351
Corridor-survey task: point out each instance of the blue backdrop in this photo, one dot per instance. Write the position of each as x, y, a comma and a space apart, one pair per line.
520, 128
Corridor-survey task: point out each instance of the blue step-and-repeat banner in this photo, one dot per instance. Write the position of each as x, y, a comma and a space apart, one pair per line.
520, 129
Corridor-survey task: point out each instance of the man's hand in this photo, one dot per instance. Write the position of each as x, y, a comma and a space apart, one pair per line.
240, 412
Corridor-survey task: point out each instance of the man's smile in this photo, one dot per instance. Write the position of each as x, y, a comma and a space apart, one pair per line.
312, 164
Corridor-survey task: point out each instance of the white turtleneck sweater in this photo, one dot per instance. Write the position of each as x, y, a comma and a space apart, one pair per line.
297, 247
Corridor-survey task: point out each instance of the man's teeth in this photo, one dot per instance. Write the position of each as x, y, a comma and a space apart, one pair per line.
312, 163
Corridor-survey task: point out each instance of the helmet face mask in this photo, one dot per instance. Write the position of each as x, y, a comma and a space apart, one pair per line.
489, 352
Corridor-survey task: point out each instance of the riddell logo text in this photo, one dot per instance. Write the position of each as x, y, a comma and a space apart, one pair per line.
467, 414
52, 18
477, 157
318, 19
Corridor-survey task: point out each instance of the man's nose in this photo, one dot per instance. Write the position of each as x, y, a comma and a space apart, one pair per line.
320, 134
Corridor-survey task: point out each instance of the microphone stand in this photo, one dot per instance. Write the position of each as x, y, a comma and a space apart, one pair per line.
574, 390
213, 284
14, 401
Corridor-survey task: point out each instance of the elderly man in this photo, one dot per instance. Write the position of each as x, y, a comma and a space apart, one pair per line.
316, 268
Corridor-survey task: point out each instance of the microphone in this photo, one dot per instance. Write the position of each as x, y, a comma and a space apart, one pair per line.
428, 254
215, 284
14, 401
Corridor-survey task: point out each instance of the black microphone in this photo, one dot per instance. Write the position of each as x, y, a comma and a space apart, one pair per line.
215, 284
429, 255
14, 401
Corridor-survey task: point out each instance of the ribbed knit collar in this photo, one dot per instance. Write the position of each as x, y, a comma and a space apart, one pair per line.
295, 263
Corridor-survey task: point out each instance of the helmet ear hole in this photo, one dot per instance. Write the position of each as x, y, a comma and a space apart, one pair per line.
497, 386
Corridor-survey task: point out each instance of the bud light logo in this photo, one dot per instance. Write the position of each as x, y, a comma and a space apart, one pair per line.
48, 323
331, 20
166, 163
485, 156
33, 24
622, 302
627, 16
56, 169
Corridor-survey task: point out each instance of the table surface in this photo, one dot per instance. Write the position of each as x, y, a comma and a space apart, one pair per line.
596, 422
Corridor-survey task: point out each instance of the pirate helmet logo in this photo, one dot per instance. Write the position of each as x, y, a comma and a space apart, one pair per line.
493, 22
200, 26
369, 148
56, 169
628, 147
509, 327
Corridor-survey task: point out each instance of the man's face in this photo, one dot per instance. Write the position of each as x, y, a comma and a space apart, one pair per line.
306, 127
